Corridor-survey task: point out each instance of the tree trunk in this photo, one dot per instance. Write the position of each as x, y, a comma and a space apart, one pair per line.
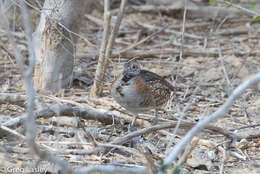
55, 42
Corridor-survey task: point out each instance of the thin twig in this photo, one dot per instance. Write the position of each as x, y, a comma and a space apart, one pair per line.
143, 40
15, 133
204, 122
224, 158
97, 87
128, 137
114, 31
224, 68
65, 109
100, 72
187, 151
180, 118
112, 169
183, 27
252, 13
27, 72
147, 154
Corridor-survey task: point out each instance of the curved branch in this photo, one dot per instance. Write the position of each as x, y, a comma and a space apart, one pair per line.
204, 122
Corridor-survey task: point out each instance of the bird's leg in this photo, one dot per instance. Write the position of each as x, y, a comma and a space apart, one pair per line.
131, 127
133, 120
155, 121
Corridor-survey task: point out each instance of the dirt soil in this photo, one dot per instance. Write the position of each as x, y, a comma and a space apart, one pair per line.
218, 55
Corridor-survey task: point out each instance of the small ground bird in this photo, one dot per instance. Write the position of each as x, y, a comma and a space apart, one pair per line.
140, 90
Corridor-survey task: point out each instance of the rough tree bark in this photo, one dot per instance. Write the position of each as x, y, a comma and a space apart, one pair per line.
55, 42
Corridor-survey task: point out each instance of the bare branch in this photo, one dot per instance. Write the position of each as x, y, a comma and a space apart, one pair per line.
252, 13
13, 98
183, 27
111, 169
27, 72
65, 109
203, 123
99, 76
96, 90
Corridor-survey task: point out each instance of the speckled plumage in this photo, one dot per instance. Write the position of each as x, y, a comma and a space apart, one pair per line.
140, 90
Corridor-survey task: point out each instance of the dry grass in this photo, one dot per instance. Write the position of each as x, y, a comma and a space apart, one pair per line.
216, 76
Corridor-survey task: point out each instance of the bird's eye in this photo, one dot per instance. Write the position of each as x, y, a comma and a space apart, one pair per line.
134, 67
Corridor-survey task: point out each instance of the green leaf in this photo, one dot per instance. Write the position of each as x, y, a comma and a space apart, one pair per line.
212, 2
176, 170
163, 168
253, 5
255, 17
229, 5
